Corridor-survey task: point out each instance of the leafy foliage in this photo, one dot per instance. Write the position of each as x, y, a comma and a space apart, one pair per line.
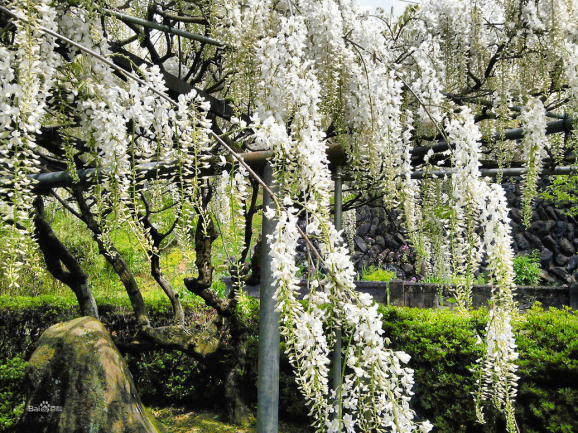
562, 191
378, 274
298, 78
548, 396
527, 269
443, 349
11, 391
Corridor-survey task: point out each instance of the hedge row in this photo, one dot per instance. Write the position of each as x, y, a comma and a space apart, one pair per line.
442, 345
443, 349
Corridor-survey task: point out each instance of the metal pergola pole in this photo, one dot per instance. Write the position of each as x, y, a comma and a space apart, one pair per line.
162, 27
338, 201
505, 172
268, 367
555, 127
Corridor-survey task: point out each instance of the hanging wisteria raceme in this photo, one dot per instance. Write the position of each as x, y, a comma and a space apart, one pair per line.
192, 130
290, 122
301, 328
497, 242
533, 152
377, 384
466, 187
409, 195
26, 78
462, 36
102, 113
498, 381
122, 122
571, 62
221, 206
427, 82
370, 104
234, 195
102, 102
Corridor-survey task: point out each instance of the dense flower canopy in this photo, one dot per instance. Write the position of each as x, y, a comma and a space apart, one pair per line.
296, 76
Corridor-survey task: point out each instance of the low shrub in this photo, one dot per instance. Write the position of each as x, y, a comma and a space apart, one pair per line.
443, 349
378, 274
11, 392
548, 387
527, 269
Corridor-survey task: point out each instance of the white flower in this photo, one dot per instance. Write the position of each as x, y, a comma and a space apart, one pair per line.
403, 357
333, 426
349, 423
425, 427
270, 212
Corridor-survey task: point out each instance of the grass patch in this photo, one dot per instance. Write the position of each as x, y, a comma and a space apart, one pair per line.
184, 420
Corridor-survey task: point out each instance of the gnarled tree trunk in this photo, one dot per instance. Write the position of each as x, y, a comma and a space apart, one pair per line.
55, 255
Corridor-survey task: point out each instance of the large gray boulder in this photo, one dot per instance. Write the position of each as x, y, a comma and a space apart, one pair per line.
79, 382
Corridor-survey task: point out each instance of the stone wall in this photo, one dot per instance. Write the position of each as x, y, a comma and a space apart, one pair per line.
419, 295
379, 239
551, 232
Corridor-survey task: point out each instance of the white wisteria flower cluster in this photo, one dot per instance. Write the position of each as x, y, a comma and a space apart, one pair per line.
298, 57
533, 152
26, 77
323, 65
466, 187
498, 381
123, 123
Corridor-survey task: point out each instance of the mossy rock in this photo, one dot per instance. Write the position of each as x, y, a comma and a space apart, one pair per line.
77, 381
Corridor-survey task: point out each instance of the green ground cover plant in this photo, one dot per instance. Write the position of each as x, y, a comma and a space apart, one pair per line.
11, 387
374, 273
527, 269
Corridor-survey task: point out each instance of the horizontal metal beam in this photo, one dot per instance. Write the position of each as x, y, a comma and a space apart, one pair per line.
495, 172
43, 182
163, 28
490, 104
563, 125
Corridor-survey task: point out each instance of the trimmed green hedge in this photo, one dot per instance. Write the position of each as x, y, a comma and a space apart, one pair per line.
11, 391
443, 349
442, 345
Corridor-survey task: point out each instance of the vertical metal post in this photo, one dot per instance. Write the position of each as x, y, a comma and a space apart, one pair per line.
338, 201
338, 197
268, 367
